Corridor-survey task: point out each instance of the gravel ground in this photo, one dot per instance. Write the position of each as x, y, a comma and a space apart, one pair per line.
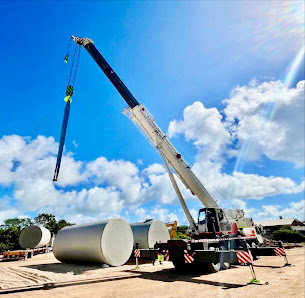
44, 276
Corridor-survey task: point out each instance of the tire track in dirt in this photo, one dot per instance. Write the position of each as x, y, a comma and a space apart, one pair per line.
32, 276
13, 276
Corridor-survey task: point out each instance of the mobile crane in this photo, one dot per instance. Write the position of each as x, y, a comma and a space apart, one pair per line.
213, 220
215, 226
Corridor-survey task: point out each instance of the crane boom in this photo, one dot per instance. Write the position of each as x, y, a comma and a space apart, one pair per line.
87, 43
143, 118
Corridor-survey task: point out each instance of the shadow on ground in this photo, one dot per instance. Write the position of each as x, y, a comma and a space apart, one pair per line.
165, 275
49, 286
267, 266
171, 275
66, 268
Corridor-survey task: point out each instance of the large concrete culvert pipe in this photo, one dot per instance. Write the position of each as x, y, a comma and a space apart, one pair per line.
105, 242
34, 236
148, 233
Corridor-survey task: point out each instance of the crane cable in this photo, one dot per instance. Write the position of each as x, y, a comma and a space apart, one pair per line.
68, 100
224, 197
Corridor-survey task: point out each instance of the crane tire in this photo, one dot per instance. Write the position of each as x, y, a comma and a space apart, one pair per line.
213, 267
225, 266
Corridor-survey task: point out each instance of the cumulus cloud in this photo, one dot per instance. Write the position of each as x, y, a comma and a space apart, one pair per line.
252, 186
97, 189
239, 204
204, 127
119, 173
271, 116
6, 210
295, 210
103, 202
156, 212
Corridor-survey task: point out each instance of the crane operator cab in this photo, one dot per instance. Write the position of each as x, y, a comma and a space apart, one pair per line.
212, 223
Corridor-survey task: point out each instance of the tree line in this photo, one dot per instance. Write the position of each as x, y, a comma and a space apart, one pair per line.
12, 227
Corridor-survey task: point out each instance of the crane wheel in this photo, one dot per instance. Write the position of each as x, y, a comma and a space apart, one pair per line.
225, 266
213, 267
182, 267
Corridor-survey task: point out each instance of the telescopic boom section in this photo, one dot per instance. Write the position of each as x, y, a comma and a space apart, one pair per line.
106, 68
142, 117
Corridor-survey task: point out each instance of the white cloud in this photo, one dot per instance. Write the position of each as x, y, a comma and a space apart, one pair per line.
154, 169
249, 114
10, 151
271, 117
71, 172
204, 127
102, 188
28, 166
239, 204
75, 144
160, 188
156, 212
102, 202
6, 210
79, 218
295, 210
140, 213
122, 174
252, 186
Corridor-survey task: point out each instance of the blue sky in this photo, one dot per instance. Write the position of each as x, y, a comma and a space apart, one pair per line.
170, 55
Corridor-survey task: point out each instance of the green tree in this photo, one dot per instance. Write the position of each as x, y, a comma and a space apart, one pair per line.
61, 224
287, 235
48, 221
12, 227
182, 229
10, 231
20, 223
180, 235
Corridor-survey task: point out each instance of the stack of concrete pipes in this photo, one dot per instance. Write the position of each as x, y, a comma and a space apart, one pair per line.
106, 242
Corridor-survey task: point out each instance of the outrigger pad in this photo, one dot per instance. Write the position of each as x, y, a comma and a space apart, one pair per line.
258, 282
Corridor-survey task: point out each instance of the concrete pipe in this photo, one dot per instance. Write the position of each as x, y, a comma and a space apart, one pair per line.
105, 242
34, 236
148, 233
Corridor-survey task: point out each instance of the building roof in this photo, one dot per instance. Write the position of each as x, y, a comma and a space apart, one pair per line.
277, 222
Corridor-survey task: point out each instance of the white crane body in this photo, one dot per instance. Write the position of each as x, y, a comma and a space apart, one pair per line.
174, 159
211, 237
214, 221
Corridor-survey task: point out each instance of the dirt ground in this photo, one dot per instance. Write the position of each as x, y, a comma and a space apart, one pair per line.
44, 276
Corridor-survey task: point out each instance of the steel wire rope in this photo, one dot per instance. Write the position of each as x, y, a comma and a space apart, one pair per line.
184, 155
72, 64
76, 65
